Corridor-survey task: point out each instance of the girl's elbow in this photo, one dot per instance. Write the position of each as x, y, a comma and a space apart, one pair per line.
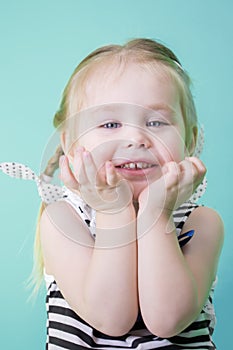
112, 325
116, 329
170, 325
162, 330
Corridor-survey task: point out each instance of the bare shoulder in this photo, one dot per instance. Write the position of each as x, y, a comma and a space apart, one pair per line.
58, 209
209, 230
61, 219
208, 218
61, 215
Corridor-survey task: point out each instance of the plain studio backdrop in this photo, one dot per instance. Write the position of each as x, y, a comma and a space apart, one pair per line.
41, 43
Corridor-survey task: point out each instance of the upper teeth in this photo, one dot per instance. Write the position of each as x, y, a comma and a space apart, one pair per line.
138, 165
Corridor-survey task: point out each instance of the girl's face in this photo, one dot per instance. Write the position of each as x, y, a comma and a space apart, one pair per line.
135, 121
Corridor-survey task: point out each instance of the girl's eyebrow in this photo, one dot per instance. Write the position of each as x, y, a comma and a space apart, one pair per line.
104, 108
161, 107
119, 107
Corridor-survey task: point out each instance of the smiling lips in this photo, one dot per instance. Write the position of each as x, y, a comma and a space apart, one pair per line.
135, 165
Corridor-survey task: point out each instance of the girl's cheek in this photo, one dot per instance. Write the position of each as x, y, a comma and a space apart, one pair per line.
163, 153
171, 149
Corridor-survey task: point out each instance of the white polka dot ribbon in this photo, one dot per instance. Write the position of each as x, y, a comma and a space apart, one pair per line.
198, 193
48, 192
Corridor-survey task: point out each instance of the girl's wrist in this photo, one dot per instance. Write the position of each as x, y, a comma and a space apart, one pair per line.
116, 230
160, 219
115, 211
111, 217
159, 212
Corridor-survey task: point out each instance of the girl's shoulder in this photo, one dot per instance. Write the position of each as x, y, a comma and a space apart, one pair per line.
61, 219
205, 216
59, 211
71, 207
208, 227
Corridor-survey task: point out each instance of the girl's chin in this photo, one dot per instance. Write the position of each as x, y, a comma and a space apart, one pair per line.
139, 186
137, 191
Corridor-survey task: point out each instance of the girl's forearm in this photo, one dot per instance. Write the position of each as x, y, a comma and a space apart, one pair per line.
110, 291
168, 295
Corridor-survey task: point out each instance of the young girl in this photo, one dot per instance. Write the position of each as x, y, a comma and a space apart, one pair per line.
129, 259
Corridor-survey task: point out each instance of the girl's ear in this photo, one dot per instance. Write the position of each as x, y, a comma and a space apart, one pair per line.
193, 141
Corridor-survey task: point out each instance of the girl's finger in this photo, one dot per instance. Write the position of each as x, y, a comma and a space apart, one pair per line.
79, 168
187, 169
90, 169
199, 165
188, 176
66, 174
192, 172
112, 178
171, 174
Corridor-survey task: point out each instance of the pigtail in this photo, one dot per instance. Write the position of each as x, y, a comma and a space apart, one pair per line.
35, 280
53, 163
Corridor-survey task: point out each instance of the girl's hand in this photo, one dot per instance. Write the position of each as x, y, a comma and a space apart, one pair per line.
174, 187
102, 189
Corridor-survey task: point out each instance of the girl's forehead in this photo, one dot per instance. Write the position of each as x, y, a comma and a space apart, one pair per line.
128, 83
113, 71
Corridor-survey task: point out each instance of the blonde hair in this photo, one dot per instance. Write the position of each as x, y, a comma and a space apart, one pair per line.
145, 52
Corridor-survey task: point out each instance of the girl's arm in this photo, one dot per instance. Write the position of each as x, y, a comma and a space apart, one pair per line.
97, 278
174, 284
98, 283
112, 272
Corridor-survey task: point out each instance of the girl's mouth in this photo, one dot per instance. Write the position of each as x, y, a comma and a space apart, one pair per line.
135, 165
136, 169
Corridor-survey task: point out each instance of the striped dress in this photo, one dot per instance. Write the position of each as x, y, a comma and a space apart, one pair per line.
66, 330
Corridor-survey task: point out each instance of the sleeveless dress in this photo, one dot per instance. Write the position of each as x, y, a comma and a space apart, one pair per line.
66, 330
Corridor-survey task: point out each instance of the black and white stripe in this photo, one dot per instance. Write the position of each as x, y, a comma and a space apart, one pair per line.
66, 330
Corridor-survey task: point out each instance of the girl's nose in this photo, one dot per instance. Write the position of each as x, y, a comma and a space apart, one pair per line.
139, 140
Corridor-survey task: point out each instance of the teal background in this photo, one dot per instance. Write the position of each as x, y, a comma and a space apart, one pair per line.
41, 43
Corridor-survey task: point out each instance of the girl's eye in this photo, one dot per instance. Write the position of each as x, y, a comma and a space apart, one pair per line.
111, 125
155, 123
